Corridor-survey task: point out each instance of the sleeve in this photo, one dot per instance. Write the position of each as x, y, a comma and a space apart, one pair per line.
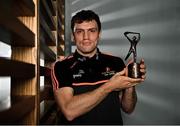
61, 75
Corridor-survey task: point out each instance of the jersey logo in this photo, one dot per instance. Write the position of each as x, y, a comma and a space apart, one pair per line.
79, 74
108, 72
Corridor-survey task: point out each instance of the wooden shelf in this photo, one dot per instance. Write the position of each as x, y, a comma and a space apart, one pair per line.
48, 55
15, 113
60, 28
23, 8
33, 29
49, 107
5, 36
60, 51
16, 69
46, 52
45, 71
48, 15
60, 25
60, 39
18, 7
51, 7
46, 93
60, 10
21, 35
50, 119
46, 32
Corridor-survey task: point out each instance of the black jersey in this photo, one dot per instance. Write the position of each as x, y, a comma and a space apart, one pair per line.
85, 74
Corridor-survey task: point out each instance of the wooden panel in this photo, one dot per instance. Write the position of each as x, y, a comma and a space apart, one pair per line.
21, 35
46, 32
23, 8
46, 93
31, 28
61, 10
16, 69
60, 27
45, 71
44, 8
46, 52
28, 55
15, 113
60, 39
60, 51
52, 8
18, 7
50, 106
51, 118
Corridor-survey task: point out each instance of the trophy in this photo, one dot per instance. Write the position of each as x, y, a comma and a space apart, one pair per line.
133, 68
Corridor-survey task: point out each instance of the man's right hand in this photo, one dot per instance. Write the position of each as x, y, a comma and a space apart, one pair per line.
121, 81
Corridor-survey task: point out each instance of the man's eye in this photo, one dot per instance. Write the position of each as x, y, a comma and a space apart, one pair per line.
78, 31
93, 30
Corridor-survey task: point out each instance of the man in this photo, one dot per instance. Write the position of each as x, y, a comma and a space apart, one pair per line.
91, 87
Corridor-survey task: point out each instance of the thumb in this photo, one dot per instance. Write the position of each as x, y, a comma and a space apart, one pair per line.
122, 72
129, 61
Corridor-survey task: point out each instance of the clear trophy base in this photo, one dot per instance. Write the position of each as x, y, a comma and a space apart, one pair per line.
134, 70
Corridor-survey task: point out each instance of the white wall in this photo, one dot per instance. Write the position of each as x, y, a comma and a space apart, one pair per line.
158, 21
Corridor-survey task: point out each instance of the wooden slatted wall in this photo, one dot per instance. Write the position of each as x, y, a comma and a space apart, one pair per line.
34, 30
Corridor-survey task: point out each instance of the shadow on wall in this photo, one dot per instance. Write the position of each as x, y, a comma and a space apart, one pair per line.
158, 23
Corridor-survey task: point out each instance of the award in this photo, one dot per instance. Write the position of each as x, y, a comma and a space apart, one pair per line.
133, 68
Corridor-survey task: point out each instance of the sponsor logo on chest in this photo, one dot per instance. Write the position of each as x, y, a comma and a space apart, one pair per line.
79, 74
108, 72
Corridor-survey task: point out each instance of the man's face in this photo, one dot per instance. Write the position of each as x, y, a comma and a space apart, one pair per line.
86, 36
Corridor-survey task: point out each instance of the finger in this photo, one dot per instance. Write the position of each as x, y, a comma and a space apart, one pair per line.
143, 71
132, 80
132, 84
142, 61
143, 76
142, 66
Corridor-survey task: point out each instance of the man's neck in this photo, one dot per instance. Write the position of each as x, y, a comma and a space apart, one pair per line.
88, 54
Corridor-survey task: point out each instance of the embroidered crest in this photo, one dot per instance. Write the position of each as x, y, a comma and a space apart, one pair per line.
108, 72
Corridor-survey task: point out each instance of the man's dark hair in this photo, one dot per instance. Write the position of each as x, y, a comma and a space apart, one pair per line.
85, 15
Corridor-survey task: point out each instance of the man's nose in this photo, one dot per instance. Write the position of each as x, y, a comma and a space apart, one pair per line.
86, 35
